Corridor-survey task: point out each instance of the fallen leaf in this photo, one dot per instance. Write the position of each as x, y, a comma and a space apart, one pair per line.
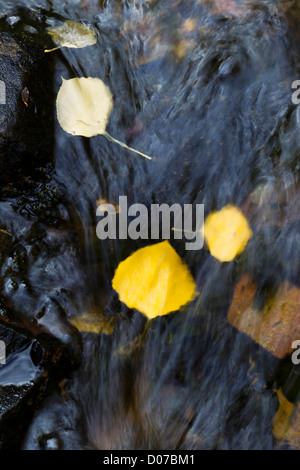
83, 108
105, 205
73, 35
183, 47
277, 325
154, 280
226, 233
286, 422
93, 323
25, 96
281, 421
130, 347
189, 25
275, 203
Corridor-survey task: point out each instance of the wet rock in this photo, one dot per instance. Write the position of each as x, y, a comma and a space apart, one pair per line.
56, 426
26, 378
26, 125
50, 442
42, 283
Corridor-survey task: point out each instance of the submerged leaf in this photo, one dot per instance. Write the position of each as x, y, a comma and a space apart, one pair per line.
226, 233
93, 323
130, 347
72, 34
25, 96
281, 421
183, 47
286, 422
154, 280
276, 324
105, 205
83, 108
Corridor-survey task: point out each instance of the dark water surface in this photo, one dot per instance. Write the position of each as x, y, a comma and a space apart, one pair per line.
210, 101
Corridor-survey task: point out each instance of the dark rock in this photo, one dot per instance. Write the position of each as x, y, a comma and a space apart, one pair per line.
50, 442
57, 425
26, 378
26, 118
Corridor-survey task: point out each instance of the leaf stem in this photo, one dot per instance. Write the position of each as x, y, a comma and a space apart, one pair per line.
109, 137
5, 231
54, 49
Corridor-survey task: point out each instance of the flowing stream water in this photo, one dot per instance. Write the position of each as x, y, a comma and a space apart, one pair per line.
205, 89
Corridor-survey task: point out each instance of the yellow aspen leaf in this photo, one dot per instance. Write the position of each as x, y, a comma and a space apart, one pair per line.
73, 35
282, 418
83, 108
154, 280
226, 233
93, 323
286, 422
